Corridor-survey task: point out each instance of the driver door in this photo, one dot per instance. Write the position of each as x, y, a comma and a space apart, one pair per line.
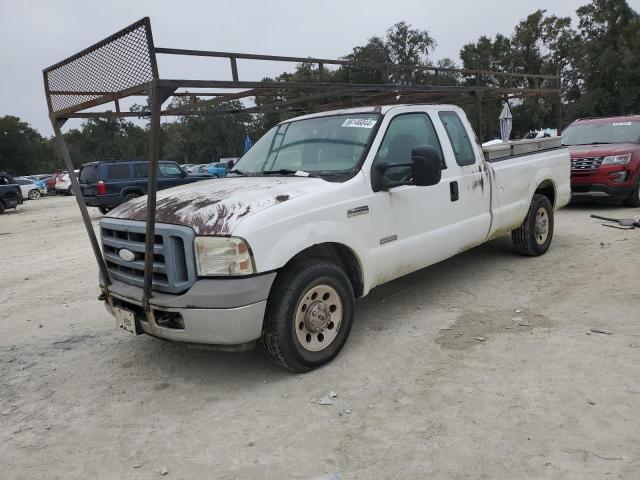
412, 223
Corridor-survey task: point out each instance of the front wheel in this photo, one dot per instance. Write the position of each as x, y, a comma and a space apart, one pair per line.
309, 315
634, 199
34, 194
534, 236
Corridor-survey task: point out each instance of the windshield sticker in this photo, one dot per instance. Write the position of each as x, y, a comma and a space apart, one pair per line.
359, 123
622, 124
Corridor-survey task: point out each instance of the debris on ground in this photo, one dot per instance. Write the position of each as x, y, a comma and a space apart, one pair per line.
480, 339
333, 394
323, 401
623, 223
590, 402
604, 332
164, 471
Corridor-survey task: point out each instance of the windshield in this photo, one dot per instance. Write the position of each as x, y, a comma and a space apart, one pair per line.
594, 133
320, 146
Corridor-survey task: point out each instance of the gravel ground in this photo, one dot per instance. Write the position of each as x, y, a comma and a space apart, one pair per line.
484, 366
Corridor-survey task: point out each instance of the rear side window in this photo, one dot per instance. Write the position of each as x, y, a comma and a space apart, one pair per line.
141, 170
118, 171
89, 174
458, 137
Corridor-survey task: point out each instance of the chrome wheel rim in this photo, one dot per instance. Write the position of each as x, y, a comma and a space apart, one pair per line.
542, 225
33, 194
318, 317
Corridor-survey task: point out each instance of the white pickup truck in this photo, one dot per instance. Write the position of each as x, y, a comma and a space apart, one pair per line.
322, 209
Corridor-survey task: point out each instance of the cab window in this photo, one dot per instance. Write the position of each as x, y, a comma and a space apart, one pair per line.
405, 132
459, 139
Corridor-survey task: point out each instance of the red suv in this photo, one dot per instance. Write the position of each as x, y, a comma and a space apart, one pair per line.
605, 157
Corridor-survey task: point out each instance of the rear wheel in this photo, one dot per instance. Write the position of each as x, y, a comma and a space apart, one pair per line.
634, 198
70, 190
34, 194
534, 236
309, 315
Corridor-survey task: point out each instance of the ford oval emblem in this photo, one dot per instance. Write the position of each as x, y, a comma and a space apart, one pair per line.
126, 255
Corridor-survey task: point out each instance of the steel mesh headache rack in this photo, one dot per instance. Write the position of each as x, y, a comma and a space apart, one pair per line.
124, 65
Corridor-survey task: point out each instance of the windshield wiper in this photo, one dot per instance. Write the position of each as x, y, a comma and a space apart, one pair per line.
287, 171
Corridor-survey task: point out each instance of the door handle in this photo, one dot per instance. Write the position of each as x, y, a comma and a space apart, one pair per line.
455, 192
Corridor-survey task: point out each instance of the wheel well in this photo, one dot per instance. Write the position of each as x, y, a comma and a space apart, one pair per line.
128, 191
547, 189
340, 255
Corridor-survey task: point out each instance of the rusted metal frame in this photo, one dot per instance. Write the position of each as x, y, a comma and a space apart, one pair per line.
105, 41
212, 102
158, 96
95, 245
234, 68
99, 101
323, 61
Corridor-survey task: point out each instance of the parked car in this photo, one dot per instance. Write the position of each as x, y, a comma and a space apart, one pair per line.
605, 157
280, 248
30, 190
107, 184
51, 186
10, 192
218, 169
63, 183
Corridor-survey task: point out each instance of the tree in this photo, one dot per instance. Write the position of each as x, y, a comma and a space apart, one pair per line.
23, 151
609, 60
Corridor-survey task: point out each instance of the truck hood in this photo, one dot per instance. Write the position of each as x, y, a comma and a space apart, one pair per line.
215, 207
582, 151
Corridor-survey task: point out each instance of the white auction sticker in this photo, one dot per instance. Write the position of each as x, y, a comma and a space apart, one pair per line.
359, 123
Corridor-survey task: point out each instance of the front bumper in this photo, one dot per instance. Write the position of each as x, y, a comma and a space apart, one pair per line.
222, 312
107, 201
601, 190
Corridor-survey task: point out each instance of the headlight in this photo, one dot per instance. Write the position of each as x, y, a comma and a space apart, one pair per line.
617, 159
216, 256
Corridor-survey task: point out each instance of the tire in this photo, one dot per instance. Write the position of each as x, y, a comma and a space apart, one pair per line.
1, 208
130, 196
70, 190
292, 309
634, 199
534, 236
33, 194
104, 210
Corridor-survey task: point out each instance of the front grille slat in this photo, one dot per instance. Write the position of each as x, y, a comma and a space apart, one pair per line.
173, 266
136, 264
585, 164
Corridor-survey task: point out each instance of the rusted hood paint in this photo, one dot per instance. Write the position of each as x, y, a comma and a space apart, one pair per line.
215, 207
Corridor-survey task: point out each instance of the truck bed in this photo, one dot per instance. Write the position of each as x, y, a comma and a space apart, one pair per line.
515, 178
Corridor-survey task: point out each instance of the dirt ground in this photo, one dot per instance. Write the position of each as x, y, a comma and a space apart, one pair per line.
482, 367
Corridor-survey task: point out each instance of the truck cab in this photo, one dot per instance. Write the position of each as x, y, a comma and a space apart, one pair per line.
319, 211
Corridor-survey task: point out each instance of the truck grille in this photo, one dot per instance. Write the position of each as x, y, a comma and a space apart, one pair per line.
585, 164
173, 260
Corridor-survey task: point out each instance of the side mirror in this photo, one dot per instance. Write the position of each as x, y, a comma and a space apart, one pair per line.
425, 165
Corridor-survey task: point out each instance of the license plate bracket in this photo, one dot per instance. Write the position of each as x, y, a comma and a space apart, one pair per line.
126, 320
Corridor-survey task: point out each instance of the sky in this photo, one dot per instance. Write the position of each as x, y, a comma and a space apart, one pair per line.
37, 33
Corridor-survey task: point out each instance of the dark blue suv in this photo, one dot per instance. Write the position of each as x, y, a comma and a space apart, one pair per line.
107, 184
